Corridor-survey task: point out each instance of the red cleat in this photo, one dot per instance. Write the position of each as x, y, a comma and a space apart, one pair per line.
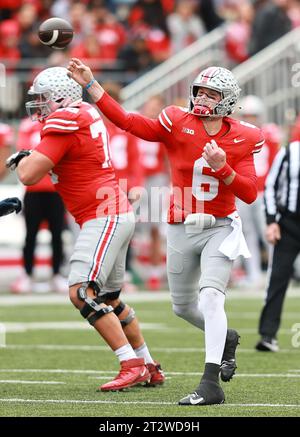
156, 373
132, 372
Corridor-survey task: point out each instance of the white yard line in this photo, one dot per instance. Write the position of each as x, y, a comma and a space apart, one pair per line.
18, 381
67, 325
90, 402
78, 325
140, 296
13, 327
169, 350
100, 373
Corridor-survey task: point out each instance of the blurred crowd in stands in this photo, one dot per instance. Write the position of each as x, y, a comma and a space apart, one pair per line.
131, 37
122, 39
135, 35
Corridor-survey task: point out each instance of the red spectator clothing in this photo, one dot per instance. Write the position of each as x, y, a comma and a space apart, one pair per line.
29, 137
158, 44
111, 37
10, 4
295, 135
125, 156
12, 55
237, 40
263, 160
76, 141
6, 135
152, 157
10, 27
168, 6
81, 51
196, 188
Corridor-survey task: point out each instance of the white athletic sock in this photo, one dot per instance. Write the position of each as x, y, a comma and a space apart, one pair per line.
212, 306
125, 352
143, 352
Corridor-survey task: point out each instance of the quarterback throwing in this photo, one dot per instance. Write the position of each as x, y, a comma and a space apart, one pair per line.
211, 160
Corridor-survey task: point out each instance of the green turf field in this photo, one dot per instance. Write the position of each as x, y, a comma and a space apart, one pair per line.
52, 364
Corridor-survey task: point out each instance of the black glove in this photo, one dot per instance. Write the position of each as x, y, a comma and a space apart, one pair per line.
9, 205
14, 159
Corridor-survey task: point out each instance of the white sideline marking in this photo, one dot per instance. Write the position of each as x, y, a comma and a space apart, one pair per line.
140, 296
288, 315
37, 326
74, 325
10, 300
169, 350
99, 373
77, 401
17, 381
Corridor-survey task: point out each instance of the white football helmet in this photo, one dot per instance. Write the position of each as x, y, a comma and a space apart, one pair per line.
251, 105
221, 80
53, 89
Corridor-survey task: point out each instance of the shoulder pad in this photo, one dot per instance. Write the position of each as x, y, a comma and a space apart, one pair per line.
252, 135
62, 121
167, 115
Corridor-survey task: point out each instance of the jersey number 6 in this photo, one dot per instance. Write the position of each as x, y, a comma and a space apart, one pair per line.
204, 186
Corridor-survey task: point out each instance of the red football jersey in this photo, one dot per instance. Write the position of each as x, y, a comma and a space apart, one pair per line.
264, 159
195, 187
6, 135
29, 137
125, 156
76, 141
152, 157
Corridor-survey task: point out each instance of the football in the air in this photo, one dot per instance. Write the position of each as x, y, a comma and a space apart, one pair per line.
56, 33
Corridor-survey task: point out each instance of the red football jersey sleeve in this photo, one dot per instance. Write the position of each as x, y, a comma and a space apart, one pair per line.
76, 141
195, 186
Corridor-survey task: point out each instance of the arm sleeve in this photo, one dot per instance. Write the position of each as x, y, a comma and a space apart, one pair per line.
272, 184
55, 146
143, 127
244, 185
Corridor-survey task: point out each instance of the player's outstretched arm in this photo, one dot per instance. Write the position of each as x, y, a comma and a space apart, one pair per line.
83, 75
140, 126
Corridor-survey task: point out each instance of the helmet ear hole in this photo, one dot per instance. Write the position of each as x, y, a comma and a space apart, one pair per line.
195, 90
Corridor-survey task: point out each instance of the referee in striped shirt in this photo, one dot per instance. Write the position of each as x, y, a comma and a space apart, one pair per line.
282, 203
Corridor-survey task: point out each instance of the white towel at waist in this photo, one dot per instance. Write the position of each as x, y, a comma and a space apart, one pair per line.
235, 244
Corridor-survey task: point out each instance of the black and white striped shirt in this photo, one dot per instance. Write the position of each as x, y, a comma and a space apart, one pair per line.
282, 189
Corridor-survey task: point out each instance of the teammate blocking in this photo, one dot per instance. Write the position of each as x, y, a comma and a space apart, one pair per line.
74, 149
211, 160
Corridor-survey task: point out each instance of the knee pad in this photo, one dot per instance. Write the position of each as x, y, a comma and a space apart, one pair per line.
111, 295
92, 305
191, 313
129, 318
